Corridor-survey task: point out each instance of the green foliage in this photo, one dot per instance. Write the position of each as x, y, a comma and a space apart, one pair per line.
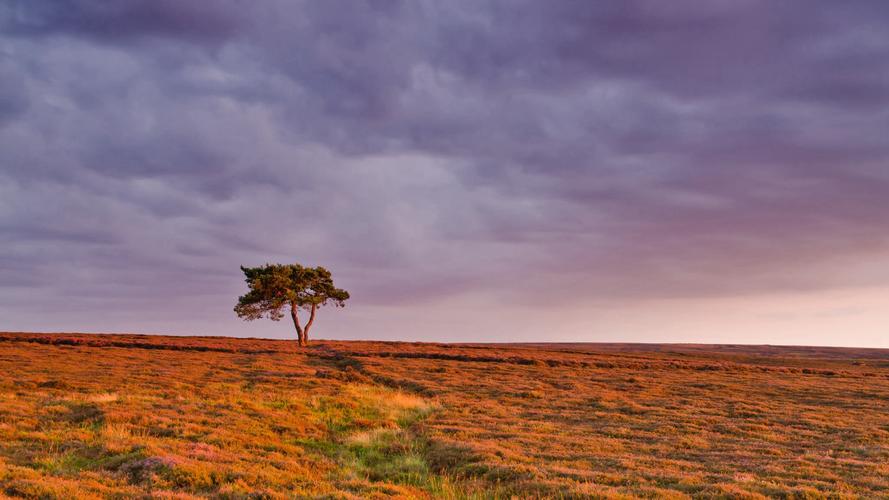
274, 286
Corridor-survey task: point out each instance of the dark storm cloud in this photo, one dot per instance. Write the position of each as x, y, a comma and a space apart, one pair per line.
123, 19
426, 150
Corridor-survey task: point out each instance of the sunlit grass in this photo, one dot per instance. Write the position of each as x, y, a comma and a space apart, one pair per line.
192, 418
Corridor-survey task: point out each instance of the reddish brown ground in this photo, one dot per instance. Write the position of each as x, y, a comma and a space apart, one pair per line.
84, 415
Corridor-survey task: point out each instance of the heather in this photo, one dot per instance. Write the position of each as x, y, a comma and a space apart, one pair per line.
88, 416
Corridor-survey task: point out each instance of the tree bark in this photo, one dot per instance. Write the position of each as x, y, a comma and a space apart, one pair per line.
300, 333
309, 324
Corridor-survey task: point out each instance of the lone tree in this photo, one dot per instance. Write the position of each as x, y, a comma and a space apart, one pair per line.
276, 286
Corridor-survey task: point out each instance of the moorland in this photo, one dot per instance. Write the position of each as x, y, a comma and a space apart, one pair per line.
87, 416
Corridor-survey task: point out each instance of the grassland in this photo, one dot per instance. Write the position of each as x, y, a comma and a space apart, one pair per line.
86, 416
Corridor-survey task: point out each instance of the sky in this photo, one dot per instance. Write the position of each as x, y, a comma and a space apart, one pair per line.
630, 171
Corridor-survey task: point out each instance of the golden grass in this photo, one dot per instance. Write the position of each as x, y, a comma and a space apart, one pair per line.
101, 397
97, 416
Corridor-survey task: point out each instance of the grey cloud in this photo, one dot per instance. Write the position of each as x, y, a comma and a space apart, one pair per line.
429, 151
121, 20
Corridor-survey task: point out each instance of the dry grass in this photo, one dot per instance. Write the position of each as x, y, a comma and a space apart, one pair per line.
97, 416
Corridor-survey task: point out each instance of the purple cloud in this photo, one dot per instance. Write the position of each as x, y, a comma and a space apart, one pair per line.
523, 152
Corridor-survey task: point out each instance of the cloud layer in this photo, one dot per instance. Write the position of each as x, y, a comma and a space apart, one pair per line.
470, 158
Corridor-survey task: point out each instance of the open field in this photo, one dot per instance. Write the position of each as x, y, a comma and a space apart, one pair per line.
124, 415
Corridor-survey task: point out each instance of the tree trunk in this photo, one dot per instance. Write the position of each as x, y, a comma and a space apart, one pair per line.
309, 324
300, 333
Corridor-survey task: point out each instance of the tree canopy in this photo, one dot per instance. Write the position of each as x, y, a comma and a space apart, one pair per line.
273, 287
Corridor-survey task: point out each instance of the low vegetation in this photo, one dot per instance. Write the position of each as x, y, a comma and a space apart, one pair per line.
86, 416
